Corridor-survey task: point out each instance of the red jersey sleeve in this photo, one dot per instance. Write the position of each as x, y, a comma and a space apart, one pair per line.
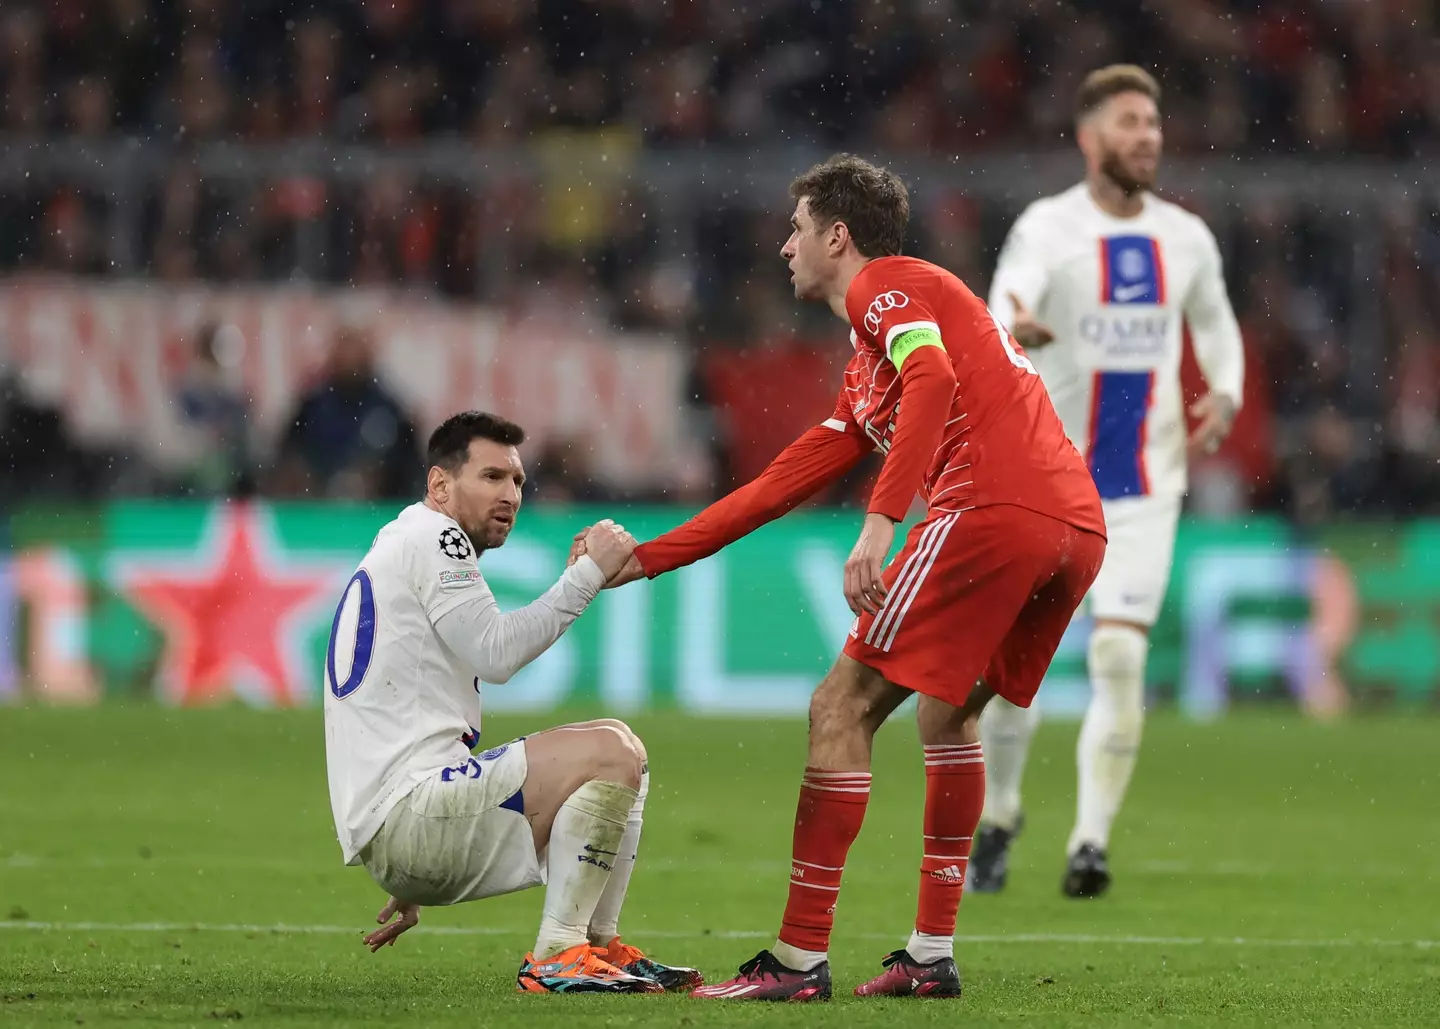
927, 389
886, 303
820, 456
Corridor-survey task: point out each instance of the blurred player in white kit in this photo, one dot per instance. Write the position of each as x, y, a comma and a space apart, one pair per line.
415, 633
1097, 283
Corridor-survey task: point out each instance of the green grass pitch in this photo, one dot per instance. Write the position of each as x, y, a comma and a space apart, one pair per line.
178, 868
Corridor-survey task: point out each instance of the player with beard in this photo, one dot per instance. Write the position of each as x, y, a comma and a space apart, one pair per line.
1097, 283
415, 632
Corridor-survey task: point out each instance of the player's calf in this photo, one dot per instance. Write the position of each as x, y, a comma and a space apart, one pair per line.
1107, 750
563, 759
591, 842
847, 708
582, 784
954, 795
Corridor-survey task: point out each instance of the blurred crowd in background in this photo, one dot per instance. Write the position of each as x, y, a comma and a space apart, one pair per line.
1327, 295
1309, 75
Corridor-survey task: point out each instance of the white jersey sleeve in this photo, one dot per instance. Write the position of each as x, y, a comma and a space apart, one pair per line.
1022, 270
1214, 332
497, 644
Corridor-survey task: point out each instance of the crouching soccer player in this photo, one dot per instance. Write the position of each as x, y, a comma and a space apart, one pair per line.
415, 633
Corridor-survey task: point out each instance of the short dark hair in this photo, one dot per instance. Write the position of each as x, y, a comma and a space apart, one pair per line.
871, 201
449, 445
1103, 83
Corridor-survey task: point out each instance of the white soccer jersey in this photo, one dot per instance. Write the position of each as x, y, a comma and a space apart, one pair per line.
1117, 293
402, 697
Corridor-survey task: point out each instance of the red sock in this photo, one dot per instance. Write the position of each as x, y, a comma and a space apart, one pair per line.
954, 795
827, 820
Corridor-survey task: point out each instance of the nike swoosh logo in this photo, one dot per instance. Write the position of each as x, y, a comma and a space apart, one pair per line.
597, 850
1125, 293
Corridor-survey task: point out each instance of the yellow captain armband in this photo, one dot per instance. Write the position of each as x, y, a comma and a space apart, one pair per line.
907, 343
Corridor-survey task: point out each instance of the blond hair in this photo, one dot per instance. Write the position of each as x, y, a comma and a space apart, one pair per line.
1103, 83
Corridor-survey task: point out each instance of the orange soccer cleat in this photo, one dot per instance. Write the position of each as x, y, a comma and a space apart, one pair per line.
633, 960
581, 969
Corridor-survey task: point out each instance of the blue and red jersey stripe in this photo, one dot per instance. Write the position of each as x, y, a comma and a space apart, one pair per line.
1132, 271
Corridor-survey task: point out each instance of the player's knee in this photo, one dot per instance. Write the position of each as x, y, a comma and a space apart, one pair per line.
847, 698
833, 712
628, 734
820, 712
633, 741
618, 756
1117, 671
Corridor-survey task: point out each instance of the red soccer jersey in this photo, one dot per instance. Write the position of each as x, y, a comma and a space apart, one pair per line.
977, 427
1001, 441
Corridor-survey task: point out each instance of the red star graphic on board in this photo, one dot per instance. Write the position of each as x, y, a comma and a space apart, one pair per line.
231, 614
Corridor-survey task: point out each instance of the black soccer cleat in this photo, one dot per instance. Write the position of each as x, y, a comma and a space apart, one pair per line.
1087, 874
763, 977
906, 977
989, 864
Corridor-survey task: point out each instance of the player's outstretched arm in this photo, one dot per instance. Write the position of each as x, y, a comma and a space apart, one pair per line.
822, 455
499, 643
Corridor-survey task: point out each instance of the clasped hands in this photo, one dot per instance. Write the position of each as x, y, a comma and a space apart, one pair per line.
612, 548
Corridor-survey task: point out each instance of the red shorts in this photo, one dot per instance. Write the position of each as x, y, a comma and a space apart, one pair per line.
980, 594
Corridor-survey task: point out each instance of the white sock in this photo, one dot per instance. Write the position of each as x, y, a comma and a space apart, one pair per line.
927, 949
794, 957
1005, 734
1110, 736
584, 842
605, 922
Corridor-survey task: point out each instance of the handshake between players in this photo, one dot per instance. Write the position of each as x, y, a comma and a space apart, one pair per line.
609, 546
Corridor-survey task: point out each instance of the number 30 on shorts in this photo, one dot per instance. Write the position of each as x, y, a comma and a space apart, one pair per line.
352, 634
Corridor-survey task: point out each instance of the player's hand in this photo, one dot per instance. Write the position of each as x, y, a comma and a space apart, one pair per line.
864, 588
1216, 412
409, 918
1027, 331
633, 570
577, 547
609, 546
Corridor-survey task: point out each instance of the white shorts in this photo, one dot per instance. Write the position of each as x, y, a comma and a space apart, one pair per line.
460, 835
1136, 570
